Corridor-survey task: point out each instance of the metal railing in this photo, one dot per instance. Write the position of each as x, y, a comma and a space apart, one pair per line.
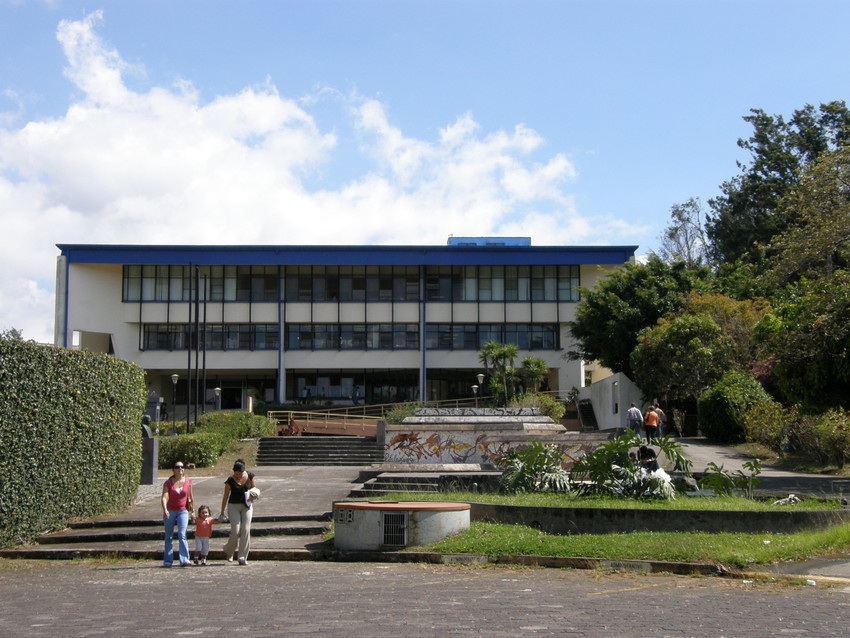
294, 423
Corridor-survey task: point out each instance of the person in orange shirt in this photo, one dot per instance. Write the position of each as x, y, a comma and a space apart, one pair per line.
650, 424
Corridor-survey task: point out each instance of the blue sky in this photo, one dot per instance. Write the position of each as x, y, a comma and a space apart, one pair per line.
383, 121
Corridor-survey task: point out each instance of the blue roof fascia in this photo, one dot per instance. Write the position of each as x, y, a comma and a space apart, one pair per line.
345, 255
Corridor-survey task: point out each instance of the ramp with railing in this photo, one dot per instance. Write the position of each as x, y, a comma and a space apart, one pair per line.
296, 423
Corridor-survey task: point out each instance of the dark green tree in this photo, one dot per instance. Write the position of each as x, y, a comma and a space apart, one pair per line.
745, 217
809, 337
820, 242
610, 316
682, 357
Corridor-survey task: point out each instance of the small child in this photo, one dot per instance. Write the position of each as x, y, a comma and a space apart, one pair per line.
203, 533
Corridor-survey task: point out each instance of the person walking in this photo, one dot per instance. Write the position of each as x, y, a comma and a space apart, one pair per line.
650, 425
239, 512
662, 420
177, 507
634, 419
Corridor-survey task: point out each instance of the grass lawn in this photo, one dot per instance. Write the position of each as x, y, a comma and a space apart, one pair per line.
739, 550
725, 503
733, 549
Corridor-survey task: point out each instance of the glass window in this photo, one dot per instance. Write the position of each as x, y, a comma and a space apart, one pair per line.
132, 288
568, 283
405, 336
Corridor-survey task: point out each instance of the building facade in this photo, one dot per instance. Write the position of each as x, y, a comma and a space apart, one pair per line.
329, 324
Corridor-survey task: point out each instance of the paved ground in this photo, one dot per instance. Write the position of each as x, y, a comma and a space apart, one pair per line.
94, 598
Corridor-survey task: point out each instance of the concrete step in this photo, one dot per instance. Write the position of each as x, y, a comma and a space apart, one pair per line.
105, 534
319, 450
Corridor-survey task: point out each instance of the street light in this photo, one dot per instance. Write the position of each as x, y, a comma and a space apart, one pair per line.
480, 378
174, 378
475, 392
217, 398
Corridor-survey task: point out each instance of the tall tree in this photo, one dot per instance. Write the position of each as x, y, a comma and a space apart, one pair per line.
498, 360
745, 217
737, 321
681, 357
610, 316
684, 239
534, 372
809, 336
821, 241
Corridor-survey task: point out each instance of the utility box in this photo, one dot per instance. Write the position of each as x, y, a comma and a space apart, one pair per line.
388, 525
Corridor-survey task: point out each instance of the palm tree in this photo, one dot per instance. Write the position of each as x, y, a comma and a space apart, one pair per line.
498, 360
534, 370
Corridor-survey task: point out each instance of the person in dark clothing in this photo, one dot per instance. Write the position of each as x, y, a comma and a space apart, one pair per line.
648, 458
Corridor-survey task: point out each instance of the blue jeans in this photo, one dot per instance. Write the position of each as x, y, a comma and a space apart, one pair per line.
181, 518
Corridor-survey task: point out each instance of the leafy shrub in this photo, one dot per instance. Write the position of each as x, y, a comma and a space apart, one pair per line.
722, 483
236, 425
608, 470
832, 436
769, 424
400, 411
824, 437
546, 403
213, 434
535, 468
721, 408
201, 449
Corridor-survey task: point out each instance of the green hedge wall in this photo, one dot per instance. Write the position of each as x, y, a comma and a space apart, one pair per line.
214, 432
70, 437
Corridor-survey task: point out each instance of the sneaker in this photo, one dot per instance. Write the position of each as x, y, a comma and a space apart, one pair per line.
186, 564
203, 561
166, 564
195, 561
243, 561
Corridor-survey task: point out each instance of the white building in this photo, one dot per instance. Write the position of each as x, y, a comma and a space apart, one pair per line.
378, 323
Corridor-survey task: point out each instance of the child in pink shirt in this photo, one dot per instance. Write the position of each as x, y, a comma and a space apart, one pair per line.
203, 532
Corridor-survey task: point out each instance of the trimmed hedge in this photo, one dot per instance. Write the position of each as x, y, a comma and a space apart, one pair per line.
70, 435
213, 434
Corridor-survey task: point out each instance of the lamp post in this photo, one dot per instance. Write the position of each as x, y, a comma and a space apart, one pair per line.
174, 378
480, 378
217, 398
475, 393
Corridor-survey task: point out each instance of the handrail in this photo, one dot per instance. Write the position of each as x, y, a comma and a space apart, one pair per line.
294, 423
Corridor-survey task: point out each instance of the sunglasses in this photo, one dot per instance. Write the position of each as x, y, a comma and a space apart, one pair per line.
178, 467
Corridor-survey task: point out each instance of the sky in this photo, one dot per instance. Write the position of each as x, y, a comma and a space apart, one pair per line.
573, 122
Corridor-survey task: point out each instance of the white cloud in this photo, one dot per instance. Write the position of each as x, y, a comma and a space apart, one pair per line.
162, 166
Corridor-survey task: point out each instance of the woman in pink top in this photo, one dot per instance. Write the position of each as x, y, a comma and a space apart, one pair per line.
177, 506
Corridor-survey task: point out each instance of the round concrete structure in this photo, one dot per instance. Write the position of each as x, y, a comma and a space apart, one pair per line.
375, 525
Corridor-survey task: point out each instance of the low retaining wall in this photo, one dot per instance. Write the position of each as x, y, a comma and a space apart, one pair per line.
588, 520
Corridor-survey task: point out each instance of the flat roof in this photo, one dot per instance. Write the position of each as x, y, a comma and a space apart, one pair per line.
337, 255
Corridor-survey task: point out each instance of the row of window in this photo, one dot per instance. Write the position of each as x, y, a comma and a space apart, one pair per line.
353, 336
350, 283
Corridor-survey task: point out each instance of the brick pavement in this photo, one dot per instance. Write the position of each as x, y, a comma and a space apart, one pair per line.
127, 598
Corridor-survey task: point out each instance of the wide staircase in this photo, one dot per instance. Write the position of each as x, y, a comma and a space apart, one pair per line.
319, 450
